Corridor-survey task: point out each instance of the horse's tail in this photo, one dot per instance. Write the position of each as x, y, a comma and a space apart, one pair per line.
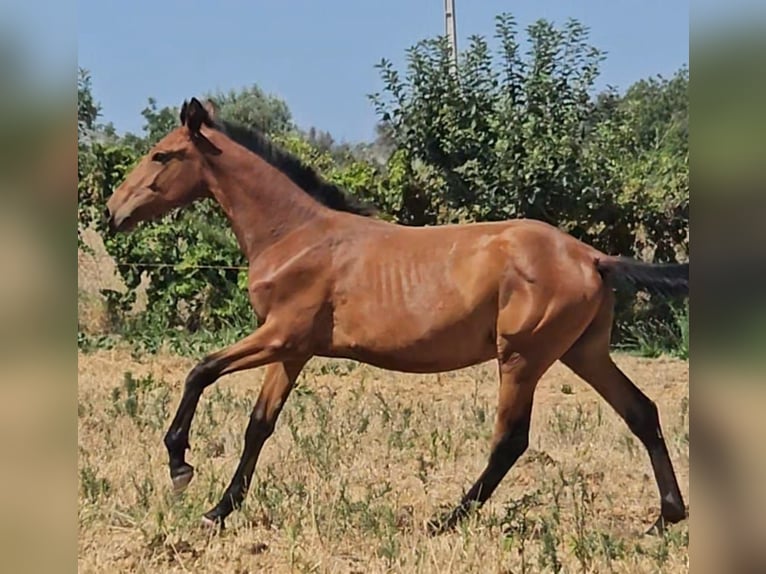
667, 279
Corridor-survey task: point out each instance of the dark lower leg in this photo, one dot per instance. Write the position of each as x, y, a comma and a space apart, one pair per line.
643, 421
518, 380
277, 384
177, 436
504, 454
258, 348
641, 416
255, 437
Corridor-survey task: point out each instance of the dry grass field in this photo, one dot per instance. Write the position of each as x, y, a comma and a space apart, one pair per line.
361, 458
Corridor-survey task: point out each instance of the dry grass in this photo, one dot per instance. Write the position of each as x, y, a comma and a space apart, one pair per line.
359, 460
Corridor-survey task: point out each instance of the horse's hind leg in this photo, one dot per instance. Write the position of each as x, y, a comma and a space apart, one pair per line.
518, 380
589, 358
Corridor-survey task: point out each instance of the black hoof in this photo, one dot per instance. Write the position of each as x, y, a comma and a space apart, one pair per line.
181, 477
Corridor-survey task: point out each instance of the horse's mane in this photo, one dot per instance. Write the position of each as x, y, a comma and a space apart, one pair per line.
302, 175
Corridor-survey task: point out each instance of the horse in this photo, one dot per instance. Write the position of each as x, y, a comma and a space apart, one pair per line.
328, 278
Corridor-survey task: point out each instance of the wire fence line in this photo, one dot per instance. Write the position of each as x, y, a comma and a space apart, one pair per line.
182, 266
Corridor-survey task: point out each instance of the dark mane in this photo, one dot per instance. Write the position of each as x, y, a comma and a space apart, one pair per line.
302, 175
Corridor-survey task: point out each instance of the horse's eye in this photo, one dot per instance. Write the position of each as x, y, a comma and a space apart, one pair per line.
161, 157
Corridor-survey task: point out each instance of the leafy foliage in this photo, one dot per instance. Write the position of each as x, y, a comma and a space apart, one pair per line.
87, 108
517, 134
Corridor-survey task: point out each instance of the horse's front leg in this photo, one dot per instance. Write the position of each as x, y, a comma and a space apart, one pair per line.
266, 345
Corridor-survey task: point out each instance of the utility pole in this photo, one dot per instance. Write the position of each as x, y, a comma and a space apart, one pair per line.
449, 26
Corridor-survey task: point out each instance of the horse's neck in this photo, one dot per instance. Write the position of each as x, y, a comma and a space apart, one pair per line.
261, 203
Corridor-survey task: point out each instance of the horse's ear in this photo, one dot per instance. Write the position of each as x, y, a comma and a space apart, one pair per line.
196, 115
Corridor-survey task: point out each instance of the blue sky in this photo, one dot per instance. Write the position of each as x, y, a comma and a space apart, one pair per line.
319, 56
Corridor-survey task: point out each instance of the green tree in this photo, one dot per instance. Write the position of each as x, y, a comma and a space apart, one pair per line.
503, 136
518, 132
157, 123
253, 107
87, 109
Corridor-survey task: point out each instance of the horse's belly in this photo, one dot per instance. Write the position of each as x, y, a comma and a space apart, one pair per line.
403, 348
418, 363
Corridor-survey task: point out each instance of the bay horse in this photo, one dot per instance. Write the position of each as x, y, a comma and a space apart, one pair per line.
326, 278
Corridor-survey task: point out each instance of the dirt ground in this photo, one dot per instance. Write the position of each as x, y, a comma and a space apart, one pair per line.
360, 459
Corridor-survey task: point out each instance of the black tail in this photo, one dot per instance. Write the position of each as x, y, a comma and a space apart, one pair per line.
666, 279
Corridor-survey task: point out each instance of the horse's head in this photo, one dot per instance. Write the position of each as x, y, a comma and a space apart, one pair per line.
172, 174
